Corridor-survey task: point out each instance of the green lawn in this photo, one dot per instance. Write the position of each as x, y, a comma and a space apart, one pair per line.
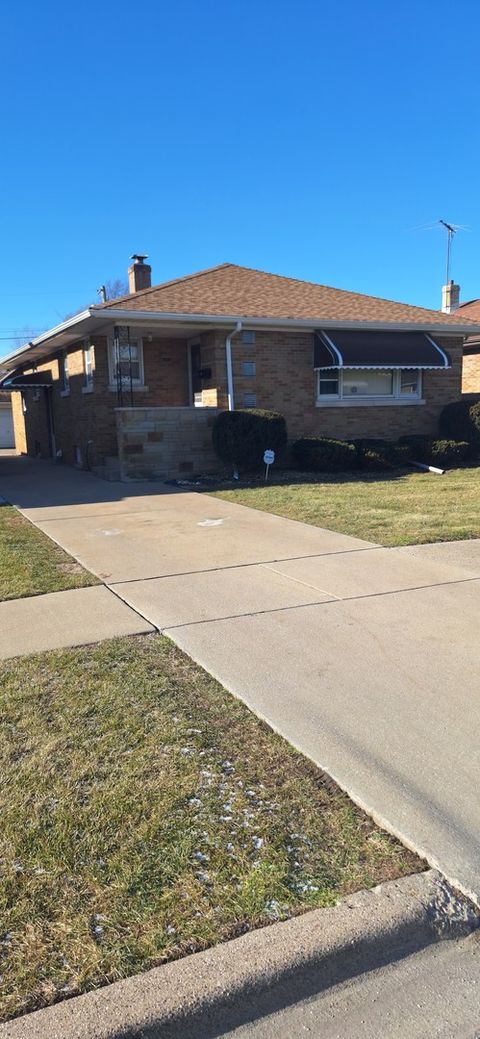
30, 563
391, 509
146, 813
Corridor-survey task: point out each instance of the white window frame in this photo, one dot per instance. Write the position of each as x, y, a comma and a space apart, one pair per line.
87, 366
64, 375
137, 384
357, 400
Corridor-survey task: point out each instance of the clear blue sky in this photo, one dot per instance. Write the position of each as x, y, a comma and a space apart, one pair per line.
306, 138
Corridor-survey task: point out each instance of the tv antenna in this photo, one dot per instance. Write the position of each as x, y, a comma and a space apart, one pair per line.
451, 230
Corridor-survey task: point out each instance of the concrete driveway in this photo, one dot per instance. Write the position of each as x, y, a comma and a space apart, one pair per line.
367, 659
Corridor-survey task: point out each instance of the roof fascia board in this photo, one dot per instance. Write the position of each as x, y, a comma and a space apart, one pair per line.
311, 324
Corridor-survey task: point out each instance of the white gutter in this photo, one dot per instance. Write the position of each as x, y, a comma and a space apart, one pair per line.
228, 359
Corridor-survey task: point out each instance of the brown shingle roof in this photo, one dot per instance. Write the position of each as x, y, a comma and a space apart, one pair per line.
244, 292
470, 310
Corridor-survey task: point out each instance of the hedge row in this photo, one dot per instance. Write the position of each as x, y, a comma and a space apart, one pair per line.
240, 439
322, 454
461, 421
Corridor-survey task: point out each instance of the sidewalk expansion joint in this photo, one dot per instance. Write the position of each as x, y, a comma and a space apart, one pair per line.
240, 566
335, 600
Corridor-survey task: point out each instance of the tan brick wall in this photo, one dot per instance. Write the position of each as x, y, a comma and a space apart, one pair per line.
471, 373
31, 427
19, 429
80, 417
285, 382
210, 398
165, 442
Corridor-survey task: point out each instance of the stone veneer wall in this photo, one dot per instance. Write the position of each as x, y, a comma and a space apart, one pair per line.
159, 443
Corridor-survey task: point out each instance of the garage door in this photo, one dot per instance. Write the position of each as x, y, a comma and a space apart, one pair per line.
7, 438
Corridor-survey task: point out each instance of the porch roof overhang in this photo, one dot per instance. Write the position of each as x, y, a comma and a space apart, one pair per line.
377, 350
98, 320
11, 381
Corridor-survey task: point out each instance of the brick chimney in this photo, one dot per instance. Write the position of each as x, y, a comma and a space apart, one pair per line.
450, 297
139, 273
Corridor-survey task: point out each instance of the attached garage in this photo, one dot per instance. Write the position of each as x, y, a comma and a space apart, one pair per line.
7, 438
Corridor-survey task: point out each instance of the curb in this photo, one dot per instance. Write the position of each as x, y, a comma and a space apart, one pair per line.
210, 992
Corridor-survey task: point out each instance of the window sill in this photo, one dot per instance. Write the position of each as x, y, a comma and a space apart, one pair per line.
87, 389
64, 393
126, 389
382, 402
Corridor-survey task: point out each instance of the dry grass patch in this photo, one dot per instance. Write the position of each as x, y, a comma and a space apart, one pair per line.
32, 564
146, 813
389, 509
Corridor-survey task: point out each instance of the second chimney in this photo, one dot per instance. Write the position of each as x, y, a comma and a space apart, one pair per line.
450, 297
139, 274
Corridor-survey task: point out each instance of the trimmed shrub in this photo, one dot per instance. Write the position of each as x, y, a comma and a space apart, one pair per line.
449, 452
323, 455
401, 454
474, 415
241, 437
381, 454
419, 446
460, 421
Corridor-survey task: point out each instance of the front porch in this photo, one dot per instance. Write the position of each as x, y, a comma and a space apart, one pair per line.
165, 442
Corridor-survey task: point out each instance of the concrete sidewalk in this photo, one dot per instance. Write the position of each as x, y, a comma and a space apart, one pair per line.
366, 659
61, 619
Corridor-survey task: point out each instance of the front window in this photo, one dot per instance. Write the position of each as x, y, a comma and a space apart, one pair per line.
328, 384
368, 385
88, 364
410, 383
64, 374
126, 363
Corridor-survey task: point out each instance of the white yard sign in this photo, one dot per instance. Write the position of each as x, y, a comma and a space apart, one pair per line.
268, 458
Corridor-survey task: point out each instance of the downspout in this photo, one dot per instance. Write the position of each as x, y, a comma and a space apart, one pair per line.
228, 359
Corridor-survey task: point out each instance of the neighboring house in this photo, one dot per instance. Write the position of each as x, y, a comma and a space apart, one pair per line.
7, 437
471, 351
129, 387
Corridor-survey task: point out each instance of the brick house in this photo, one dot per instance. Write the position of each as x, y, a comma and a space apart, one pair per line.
129, 387
471, 351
